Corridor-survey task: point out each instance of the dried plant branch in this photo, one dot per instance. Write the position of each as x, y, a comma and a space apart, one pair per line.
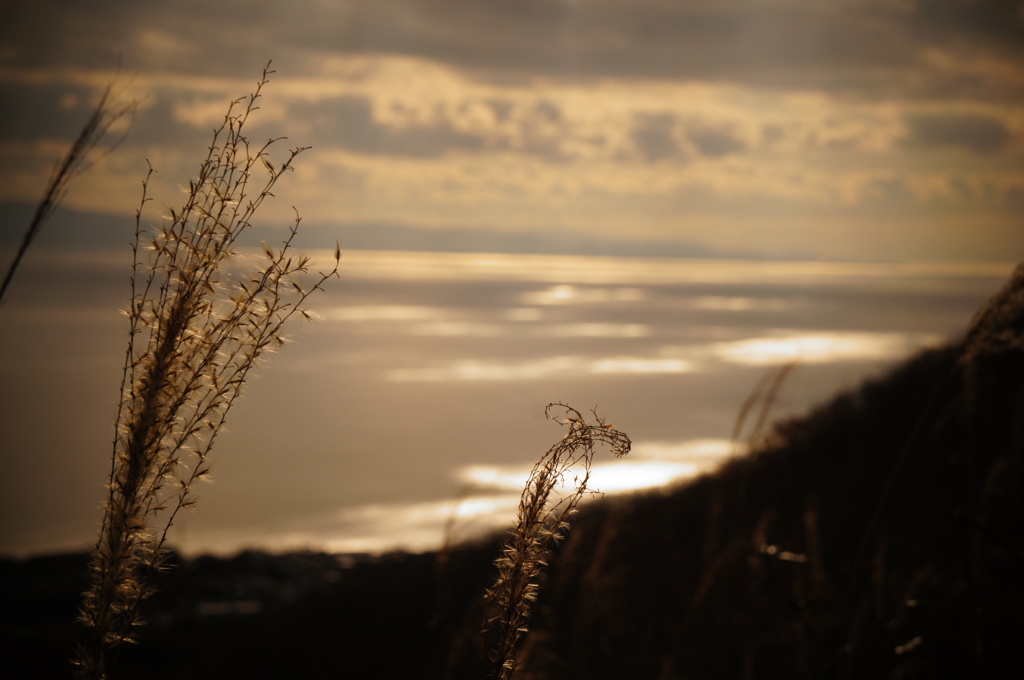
543, 520
107, 113
198, 323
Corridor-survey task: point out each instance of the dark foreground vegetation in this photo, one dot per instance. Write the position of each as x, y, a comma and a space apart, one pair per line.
880, 536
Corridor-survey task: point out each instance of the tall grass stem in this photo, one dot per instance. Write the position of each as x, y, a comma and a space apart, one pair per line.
198, 321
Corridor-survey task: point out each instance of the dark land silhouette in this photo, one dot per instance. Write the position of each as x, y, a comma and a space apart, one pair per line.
879, 536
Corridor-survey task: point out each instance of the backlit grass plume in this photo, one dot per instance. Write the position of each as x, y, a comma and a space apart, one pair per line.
545, 508
198, 322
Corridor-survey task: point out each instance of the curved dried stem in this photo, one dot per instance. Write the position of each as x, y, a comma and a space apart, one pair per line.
543, 520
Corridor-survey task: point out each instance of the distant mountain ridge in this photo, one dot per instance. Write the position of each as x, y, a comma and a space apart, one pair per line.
98, 231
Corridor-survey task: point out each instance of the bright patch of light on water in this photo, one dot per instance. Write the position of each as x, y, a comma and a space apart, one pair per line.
741, 304
544, 368
648, 465
695, 450
564, 294
362, 313
822, 347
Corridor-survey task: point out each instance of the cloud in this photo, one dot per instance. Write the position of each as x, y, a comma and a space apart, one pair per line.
853, 46
715, 143
996, 21
654, 137
350, 124
971, 131
67, 107
794, 42
685, 129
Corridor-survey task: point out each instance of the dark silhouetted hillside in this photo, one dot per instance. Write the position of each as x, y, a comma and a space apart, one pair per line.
881, 536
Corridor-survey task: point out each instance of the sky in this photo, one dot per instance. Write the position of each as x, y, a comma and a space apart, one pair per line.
640, 206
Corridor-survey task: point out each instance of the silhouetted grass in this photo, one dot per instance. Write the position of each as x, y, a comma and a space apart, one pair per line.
105, 116
198, 323
543, 520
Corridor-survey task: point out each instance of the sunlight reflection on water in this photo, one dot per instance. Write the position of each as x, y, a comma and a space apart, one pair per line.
427, 365
565, 270
487, 503
675, 345
822, 347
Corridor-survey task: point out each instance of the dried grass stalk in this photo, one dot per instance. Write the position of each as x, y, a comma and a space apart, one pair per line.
543, 520
108, 113
198, 323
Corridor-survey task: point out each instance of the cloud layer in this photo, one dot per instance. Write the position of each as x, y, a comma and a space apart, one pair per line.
867, 129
